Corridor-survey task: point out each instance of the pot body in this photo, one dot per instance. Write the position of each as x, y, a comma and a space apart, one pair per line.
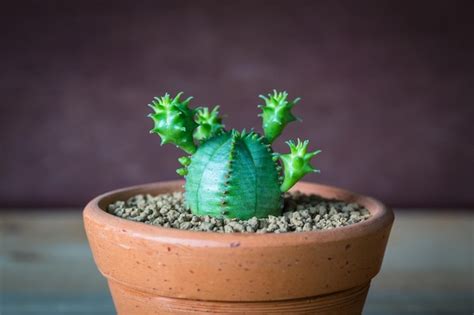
154, 270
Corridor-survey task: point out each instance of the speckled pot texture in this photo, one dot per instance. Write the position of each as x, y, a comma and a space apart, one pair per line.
154, 270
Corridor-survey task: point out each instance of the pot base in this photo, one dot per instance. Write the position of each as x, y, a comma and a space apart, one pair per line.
130, 302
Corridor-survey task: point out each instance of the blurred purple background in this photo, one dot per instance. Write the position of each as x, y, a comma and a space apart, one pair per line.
386, 87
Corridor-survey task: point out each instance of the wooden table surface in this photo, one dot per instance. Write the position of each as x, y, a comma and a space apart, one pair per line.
46, 266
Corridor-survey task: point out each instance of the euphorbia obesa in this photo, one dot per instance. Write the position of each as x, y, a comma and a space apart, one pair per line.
230, 173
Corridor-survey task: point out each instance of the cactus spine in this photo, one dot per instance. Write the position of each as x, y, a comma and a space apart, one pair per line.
230, 173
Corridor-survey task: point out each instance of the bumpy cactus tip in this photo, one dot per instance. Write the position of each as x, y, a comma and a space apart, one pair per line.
276, 114
296, 163
174, 121
230, 173
210, 124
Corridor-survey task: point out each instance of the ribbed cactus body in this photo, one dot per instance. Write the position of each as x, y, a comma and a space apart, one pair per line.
234, 175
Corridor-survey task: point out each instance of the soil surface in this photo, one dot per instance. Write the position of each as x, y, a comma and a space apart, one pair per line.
300, 213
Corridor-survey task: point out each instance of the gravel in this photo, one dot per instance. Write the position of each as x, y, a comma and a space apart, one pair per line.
301, 213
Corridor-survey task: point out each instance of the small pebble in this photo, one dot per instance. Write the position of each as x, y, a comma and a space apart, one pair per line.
301, 213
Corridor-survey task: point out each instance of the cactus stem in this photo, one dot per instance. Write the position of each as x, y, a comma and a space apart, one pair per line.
296, 163
184, 160
173, 121
276, 114
182, 171
209, 123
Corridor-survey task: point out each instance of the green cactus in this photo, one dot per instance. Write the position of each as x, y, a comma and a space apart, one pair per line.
296, 163
209, 123
232, 174
276, 114
174, 121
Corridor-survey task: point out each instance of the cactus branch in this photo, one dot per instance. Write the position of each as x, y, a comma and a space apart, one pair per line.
184, 161
173, 121
296, 163
209, 123
182, 171
276, 114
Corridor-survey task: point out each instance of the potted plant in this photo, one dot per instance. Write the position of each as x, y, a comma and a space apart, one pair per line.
236, 241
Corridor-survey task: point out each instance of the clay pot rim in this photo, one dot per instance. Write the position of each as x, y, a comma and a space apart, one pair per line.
381, 216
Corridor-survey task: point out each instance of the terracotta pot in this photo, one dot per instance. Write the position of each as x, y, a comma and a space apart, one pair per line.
154, 270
